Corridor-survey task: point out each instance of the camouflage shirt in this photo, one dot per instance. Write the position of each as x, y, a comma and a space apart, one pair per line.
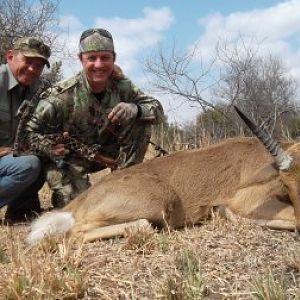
71, 107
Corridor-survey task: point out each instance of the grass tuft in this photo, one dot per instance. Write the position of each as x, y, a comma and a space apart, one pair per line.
270, 287
141, 240
3, 256
186, 282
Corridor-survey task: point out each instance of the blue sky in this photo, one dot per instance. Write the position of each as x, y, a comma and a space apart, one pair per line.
139, 26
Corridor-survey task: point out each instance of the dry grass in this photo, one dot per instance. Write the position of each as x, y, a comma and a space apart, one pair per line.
217, 260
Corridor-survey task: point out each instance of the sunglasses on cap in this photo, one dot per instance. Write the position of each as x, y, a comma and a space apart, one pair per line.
100, 31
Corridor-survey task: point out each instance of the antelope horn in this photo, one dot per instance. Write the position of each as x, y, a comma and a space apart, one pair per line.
282, 159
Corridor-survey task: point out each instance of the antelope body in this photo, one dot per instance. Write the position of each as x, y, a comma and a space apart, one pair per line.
238, 175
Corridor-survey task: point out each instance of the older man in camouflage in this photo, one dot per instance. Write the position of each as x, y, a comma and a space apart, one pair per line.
99, 106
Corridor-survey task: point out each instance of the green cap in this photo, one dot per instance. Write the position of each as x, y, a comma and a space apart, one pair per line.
33, 47
96, 39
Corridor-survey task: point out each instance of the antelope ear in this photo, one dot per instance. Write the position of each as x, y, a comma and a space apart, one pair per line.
282, 159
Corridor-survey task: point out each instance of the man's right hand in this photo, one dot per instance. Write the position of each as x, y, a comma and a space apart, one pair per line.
59, 150
5, 151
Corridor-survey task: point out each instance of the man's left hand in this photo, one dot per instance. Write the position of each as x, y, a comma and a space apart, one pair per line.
5, 151
123, 112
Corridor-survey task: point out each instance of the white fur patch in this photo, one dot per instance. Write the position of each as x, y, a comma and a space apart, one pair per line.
285, 163
50, 224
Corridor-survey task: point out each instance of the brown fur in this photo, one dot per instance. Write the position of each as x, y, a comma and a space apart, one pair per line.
180, 189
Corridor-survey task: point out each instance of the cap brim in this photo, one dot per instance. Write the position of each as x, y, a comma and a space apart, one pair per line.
32, 54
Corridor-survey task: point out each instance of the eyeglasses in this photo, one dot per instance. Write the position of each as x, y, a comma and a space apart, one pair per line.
102, 32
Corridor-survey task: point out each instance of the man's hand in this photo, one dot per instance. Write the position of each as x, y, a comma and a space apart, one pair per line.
5, 151
123, 112
59, 150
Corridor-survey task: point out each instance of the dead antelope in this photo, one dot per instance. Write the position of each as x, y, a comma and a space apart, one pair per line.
238, 175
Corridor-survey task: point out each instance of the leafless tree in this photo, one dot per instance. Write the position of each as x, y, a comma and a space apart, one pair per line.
260, 85
55, 73
28, 18
176, 74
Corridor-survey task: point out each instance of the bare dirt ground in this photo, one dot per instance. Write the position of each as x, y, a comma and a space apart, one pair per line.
217, 260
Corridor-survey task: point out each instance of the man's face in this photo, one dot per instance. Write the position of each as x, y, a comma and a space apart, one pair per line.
26, 70
98, 67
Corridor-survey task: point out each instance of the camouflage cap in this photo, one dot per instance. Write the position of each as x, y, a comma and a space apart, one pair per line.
96, 39
33, 47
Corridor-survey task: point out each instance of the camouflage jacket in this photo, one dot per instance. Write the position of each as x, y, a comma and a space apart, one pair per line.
71, 107
11, 97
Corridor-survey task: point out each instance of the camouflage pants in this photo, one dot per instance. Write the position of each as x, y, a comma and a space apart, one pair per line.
66, 182
70, 180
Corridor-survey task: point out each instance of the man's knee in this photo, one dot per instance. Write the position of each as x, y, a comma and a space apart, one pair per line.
17, 174
66, 184
32, 162
64, 194
21, 168
29, 166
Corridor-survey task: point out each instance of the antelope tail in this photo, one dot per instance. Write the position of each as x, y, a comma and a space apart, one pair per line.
282, 159
51, 223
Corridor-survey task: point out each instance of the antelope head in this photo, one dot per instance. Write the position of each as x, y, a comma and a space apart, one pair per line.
287, 162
